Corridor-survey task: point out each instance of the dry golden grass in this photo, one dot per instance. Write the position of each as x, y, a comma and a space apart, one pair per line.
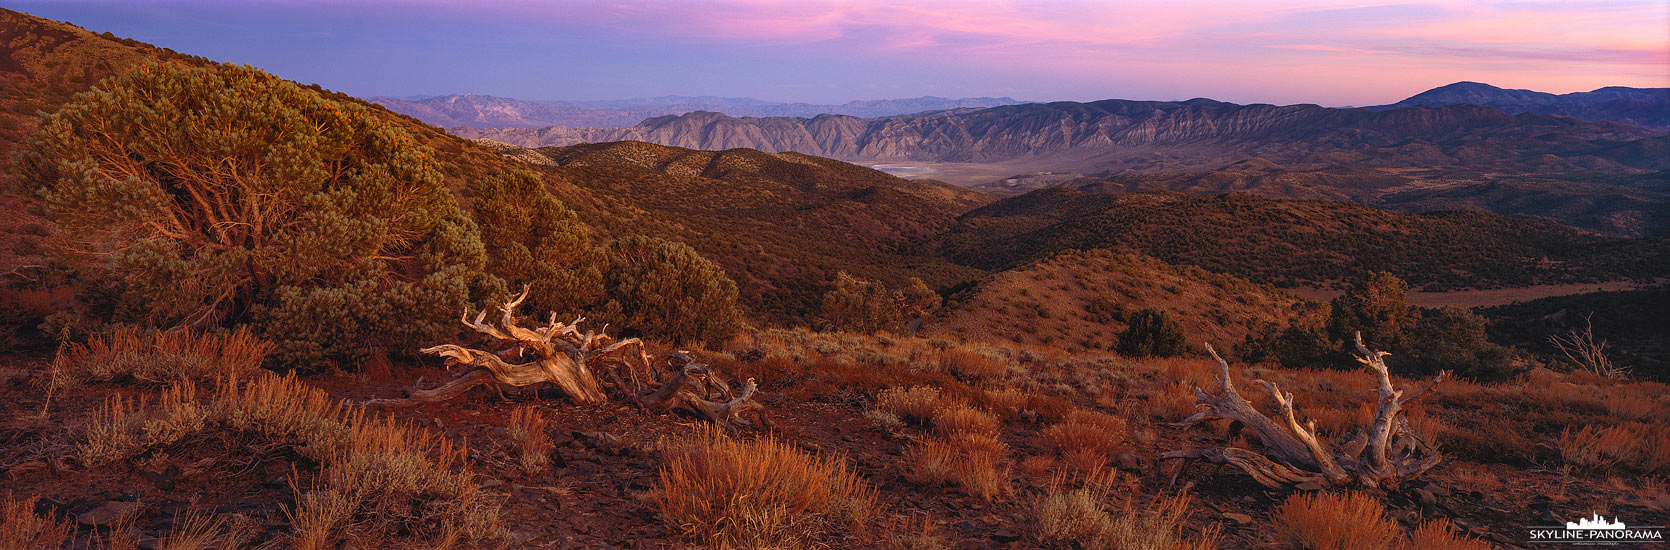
1006, 403
1440, 534
728, 493
378, 476
970, 461
1631, 405
915, 404
1321, 521
159, 357
533, 442
916, 535
20, 528
958, 417
1080, 518
1087, 439
1597, 448
198, 531
1173, 402
969, 363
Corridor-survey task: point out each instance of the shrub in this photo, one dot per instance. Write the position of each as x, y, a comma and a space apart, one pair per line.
1453, 339
970, 461
533, 442
971, 364
159, 357
1439, 533
1087, 439
723, 492
860, 305
958, 417
21, 528
1151, 332
667, 290
532, 239
1078, 519
1321, 521
230, 194
916, 404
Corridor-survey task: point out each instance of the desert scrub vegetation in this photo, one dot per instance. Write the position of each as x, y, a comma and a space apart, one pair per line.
328, 229
972, 462
182, 355
1357, 521
915, 404
378, 478
860, 305
1087, 440
1081, 517
1644, 447
730, 493
22, 528
1151, 332
533, 443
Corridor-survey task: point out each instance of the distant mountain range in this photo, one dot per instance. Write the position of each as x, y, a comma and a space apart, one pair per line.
1146, 135
1645, 107
482, 111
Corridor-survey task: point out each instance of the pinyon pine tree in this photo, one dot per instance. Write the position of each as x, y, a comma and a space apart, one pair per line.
532, 238
666, 290
224, 195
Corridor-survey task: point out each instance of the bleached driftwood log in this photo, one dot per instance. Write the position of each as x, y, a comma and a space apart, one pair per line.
586, 366
1386, 452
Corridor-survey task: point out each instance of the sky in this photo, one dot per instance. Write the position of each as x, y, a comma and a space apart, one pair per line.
1332, 53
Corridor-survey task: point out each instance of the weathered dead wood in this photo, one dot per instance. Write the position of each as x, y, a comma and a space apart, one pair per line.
1295, 455
560, 354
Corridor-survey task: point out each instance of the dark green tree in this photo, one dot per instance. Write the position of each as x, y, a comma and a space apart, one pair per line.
856, 304
1151, 332
1378, 307
225, 195
532, 238
1453, 339
666, 290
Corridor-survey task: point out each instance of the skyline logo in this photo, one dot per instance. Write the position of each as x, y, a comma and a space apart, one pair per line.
1595, 522
1596, 530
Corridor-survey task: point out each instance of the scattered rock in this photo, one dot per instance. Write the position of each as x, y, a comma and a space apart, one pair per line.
109, 512
1238, 518
490, 483
1005, 536
1128, 461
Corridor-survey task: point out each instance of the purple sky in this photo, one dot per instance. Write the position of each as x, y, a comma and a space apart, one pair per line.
1332, 53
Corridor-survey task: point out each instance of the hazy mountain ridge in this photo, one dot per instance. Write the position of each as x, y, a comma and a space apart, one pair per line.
482, 111
1645, 107
1134, 134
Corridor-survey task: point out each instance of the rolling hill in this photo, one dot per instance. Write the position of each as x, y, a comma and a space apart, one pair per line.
1079, 300
1298, 242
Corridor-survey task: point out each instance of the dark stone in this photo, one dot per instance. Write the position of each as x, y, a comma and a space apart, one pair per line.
1005, 536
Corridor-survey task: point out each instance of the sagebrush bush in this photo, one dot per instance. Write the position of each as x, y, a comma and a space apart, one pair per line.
1322, 521
729, 493
231, 194
1080, 518
963, 418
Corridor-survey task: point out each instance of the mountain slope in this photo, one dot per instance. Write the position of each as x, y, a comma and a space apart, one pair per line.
780, 224
1298, 243
480, 111
1645, 107
1079, 300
